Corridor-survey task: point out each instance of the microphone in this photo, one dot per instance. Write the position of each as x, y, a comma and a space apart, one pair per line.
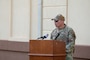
43, 37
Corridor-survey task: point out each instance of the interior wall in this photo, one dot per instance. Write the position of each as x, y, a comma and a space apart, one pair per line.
4, 19
78, 19
20, 11
76, 13
15, 20
19, 19
19, 22
34, 19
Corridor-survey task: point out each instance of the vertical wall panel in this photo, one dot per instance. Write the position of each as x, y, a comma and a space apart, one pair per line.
20, 19
79, 20
34, 19
15, 20
4, 19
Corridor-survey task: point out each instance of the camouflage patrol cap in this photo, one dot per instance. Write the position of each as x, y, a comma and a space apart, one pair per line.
58, 17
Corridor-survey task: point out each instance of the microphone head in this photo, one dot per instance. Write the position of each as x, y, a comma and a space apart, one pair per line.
46, 36
43, 37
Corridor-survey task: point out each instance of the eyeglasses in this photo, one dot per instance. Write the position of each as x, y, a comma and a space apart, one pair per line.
56, 21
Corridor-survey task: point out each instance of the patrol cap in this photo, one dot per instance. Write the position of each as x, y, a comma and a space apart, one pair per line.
58, 17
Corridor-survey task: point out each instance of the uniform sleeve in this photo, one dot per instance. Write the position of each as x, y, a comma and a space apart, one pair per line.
71, 43
52, 33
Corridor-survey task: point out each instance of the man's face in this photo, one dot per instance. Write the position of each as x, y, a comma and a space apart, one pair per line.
59, 23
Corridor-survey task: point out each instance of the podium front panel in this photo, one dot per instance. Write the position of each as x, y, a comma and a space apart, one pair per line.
47, 50
41, 46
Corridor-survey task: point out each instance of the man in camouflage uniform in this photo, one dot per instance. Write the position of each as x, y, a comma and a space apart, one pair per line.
64, 33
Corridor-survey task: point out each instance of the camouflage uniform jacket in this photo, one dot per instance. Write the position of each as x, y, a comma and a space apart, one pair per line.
67, 35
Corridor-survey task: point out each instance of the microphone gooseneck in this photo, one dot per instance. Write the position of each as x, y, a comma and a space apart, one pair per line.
57, 36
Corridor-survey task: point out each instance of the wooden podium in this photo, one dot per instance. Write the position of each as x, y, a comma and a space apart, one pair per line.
47, 50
